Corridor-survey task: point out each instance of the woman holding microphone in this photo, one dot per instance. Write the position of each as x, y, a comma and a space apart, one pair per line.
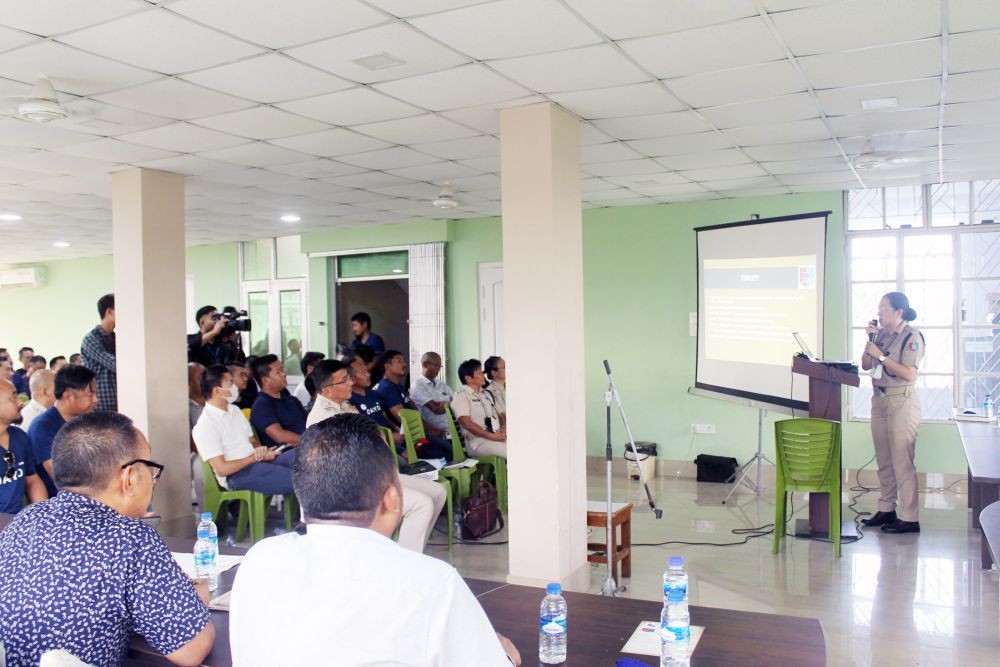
893, 353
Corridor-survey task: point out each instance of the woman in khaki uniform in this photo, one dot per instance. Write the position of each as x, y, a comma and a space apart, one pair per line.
895, 355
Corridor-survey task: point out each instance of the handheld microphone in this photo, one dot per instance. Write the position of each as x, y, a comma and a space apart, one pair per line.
871, 336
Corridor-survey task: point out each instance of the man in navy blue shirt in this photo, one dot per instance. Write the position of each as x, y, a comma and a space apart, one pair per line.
76, 394
82, 573
361, 325
17, 474
394, 397
20, 378
277, 416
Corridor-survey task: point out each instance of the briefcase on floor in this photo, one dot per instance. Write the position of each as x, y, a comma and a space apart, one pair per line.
480, 515
719, 469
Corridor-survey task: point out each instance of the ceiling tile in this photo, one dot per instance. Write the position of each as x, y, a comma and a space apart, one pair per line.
98, 118
973, 86
50, 163
740, 183
782, 167
184, 138
632, 100
17, 132
624, 168
188, 165
508, 29
70, 70
256, 154
351, 107
262, 123
668, 190
173, 98
737, 85
268, 78
259, 178
964, 15
462, 149
276, 25
419, 54
647, 17
51, 17
973, 51
682, 144
658, 125
724, 173
331, 143
963, 134
317, 168
857, 24
898, 62
415, 190
758, 192
388, 158
798, 106
113, 150
966, 151
489, 164
724, 158
457, 88
610, 152
428, 127
595, 184
793, 151
867, 124
12, 39
818, 178
577, 69
892, 142
407, 8
908, 94
970, 113
744, 42
159, 41
487, 118
368, 180
437, 172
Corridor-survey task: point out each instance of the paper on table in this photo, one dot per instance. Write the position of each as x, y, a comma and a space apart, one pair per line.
467, 463
186, 561
220, 603
646, 638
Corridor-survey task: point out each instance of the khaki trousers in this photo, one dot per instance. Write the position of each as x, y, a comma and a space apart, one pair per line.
895, 419
422, 503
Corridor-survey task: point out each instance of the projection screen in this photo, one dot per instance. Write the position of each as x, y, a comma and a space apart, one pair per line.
759, 281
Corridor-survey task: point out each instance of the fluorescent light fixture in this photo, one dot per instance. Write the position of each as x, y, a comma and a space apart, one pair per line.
60, 244
397, 270
290, 217
379, 61
9, 217
876, 103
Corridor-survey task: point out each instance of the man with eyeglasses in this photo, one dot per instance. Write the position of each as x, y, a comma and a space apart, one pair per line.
431, 394
17, 476
82, 572
333, 391
76, 394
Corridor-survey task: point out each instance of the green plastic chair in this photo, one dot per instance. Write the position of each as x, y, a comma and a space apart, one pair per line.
462, 476
253, 505
413, 430
808, 455
491, 466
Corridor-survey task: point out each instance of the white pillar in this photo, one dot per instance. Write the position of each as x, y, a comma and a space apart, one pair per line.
147, 210
543, 315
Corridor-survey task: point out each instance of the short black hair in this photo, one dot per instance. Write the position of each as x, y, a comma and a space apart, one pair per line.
325, 370
342, 469
362, 318
73, 357
212, 378
388, 356
90, 449
23, 350
310, 359
468, 368
261, 367
72, 376
201, 312
37, 359
54, 360
490, 365
105, 303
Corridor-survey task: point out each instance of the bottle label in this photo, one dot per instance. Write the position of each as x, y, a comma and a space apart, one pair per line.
674, 633
681, 588
553, 625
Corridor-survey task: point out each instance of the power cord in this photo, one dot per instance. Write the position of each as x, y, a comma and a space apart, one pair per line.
760, 531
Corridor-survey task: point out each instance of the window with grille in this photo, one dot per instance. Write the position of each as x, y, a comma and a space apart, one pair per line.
936, 243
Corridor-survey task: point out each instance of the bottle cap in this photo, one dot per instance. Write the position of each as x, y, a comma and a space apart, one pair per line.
676, 561
553, 589
206, 516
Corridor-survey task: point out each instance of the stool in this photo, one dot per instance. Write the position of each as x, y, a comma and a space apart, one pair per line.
621, 547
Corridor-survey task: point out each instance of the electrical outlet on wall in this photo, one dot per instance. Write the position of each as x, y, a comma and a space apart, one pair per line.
703, 428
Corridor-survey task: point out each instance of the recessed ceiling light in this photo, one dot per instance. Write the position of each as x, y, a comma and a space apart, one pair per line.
60, 244
290, 217
397, 270
9, 217
876, 103
379, 61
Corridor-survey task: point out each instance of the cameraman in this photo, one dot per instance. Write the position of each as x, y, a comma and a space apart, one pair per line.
217, 342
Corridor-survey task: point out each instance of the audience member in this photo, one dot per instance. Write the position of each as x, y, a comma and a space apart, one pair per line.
309, 361
361, 325
7, 371
55, 363
43, 396
76, 394
4, 354
19, 477
410, 609
333, 391
224, 439
293, 360
76, 359
196, 401
394, 398
82, 572
20, 378
97, 352
476, 413
244, 383
431, 394
277, 416
495, 370
364, 398
210, 345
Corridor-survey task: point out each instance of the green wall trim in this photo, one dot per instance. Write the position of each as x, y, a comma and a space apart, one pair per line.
377, 236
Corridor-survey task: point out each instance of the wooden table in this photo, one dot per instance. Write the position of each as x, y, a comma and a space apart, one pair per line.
981, 441
621, 546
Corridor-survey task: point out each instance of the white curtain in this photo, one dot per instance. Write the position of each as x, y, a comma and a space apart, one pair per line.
426, 303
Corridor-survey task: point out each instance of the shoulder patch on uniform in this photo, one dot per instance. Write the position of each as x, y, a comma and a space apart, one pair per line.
914, 344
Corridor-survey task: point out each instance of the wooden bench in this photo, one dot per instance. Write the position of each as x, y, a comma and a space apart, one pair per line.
989, 520
621, 546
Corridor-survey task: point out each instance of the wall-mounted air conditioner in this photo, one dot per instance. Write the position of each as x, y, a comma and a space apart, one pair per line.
29, 276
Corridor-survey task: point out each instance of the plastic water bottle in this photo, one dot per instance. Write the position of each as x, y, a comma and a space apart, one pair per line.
675, 631
552, 626
206, 551
457, 526
988, 405
675, 578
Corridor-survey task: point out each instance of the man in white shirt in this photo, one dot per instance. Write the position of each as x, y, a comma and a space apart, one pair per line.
43, 396
431, 394
423, 499
344, 591
224, 439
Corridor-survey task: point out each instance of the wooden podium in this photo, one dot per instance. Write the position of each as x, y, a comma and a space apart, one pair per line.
824, 403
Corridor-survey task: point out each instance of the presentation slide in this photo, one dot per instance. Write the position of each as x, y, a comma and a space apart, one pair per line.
759, 281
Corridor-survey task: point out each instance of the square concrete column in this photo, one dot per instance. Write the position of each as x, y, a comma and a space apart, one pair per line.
147, 211
543, 315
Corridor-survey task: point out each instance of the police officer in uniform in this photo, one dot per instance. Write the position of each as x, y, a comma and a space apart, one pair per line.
893, 357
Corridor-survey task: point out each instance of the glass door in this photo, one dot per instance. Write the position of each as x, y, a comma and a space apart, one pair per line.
278, 312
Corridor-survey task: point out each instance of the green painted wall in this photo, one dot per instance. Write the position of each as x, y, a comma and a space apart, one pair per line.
379, 236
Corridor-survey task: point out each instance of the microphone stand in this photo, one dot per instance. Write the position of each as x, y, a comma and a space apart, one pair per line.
609, 587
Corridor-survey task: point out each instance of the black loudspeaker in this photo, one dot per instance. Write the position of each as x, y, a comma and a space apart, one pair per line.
719, 469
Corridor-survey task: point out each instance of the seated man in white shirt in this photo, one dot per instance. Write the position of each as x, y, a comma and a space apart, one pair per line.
344, 591
224, 439
431, 393
43, 396
423, 499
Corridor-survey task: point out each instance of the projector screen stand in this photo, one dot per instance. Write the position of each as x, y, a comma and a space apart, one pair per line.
758, 457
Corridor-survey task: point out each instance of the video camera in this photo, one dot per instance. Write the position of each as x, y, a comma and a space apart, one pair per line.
236, 320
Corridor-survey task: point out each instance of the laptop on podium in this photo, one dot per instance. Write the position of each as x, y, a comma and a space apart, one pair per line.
807, 353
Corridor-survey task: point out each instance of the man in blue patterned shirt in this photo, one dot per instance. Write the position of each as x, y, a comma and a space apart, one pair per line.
82, 573
98, 353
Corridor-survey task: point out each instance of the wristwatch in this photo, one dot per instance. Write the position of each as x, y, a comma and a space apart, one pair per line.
881, 359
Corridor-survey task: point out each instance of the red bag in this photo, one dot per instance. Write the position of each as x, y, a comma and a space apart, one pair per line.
480, 514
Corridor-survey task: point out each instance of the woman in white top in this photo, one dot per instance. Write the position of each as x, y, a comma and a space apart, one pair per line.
495, 369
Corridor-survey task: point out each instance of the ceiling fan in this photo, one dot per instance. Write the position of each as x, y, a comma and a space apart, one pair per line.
869, 159
41, 106
446, 198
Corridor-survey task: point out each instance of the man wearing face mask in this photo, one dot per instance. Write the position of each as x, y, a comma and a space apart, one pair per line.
224, 439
